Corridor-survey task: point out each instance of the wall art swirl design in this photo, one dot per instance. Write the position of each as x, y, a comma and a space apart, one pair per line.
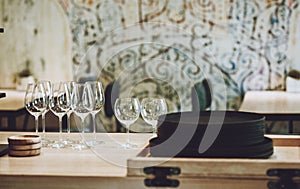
250, 43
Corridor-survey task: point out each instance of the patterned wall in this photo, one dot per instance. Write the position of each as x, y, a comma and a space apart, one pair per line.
154, 47
238, 45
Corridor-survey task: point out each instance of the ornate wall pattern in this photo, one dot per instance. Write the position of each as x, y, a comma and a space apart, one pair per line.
250, 43
155, 47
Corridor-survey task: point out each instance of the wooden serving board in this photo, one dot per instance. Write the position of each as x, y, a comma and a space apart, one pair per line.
284, 157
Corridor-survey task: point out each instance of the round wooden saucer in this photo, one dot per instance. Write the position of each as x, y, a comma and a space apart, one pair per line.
24, 153
24, 139
25, 147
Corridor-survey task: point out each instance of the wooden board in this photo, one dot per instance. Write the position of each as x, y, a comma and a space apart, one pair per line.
283, 157
285, 140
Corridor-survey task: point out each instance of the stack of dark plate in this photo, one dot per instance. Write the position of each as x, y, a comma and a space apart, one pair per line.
220, 134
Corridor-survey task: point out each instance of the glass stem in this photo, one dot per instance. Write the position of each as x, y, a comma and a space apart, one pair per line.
127, 133
36, 124
82, 127
94, 126
60, 128
44, 126
68, 124
82, 130
153, 129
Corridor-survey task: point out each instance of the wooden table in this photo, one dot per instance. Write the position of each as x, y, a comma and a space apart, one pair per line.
69, 168
106, 167
275, 105
12, 106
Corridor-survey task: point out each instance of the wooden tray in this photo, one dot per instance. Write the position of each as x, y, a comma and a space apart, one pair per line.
235, 172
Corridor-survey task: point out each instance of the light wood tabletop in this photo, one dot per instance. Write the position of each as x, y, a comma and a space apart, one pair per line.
101, 167
106, 166
108, 159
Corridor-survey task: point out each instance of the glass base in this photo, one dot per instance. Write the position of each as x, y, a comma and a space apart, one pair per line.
80, 146
47, 142
95, 143
128, 145
58, 144
68, 142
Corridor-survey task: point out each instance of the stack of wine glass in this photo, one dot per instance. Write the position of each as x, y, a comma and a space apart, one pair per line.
63, 98
83, 99
24, 145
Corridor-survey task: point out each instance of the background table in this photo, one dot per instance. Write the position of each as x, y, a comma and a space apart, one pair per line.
11, 107
275, 105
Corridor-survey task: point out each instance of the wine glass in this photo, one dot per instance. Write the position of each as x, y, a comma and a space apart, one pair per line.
48, 90
70, 85
151, 109
95, 90
80, 108
127, 111
60, 103
35, 101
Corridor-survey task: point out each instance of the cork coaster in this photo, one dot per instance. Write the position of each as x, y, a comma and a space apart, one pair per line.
24, 153
25, 147
24, 139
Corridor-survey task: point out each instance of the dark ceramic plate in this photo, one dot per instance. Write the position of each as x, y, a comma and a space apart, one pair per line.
233, 127
231, 118
262, 149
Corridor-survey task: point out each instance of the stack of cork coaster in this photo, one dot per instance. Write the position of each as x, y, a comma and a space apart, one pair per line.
24, 145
